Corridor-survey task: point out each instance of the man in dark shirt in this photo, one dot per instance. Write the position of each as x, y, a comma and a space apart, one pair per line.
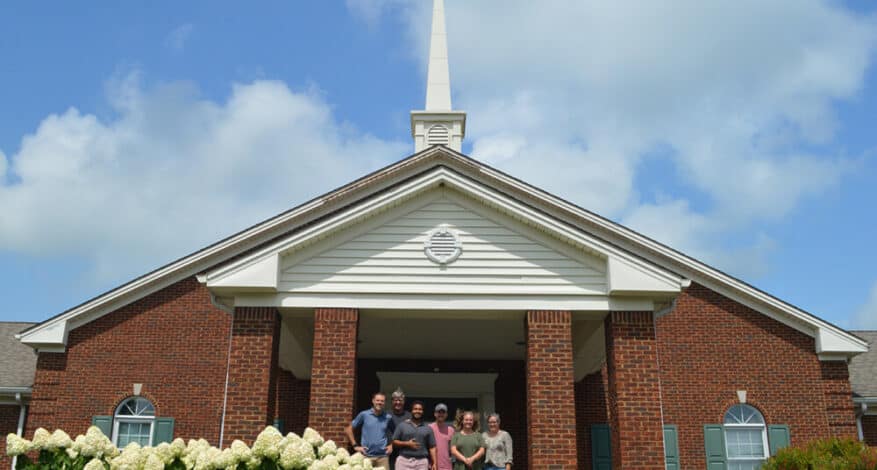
415, 441
397, 416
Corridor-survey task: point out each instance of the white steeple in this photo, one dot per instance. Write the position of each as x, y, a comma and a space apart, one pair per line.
438, 123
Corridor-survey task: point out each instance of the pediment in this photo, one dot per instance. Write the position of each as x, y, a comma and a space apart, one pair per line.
506, 249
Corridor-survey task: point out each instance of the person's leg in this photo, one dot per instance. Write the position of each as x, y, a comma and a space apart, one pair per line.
422, 464
380, 462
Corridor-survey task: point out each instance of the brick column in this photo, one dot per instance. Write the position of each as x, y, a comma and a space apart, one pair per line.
838, 407
550, 391
634, 391
251, 373
333, 373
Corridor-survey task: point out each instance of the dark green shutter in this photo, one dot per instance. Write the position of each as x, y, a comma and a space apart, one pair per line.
714, 441
601, 447
671, 447
164, 431
777, 437
104, 423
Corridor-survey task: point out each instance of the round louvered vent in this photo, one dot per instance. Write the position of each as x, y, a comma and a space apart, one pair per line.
443, 246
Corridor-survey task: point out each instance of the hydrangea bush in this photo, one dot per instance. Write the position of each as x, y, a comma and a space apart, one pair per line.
825, 454
94, 451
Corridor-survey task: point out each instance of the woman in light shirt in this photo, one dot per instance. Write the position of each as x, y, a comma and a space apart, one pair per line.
498, 445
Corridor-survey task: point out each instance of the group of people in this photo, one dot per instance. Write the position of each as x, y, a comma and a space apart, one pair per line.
401, 440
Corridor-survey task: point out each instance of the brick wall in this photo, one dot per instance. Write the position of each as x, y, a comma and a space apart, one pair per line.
869, 429
711, 346
252, 373
8, 425
510, 398
174, 342
549, 387
333, 373
839, 407
591, 408
634, 392
293, 400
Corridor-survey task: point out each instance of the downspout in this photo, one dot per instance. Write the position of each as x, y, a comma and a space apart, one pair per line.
227, 373
21, 416
864, 408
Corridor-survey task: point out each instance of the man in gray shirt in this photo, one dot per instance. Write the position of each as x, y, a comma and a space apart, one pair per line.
415, 441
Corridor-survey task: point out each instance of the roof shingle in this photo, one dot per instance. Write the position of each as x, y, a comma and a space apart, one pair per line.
863, 368
18, 362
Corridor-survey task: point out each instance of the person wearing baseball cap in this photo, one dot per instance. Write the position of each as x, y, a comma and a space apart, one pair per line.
443, 433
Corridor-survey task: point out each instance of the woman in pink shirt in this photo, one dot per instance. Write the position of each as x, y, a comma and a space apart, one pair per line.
443, 434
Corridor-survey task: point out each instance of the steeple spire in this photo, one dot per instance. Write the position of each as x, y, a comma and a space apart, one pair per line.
438, 124
438, 82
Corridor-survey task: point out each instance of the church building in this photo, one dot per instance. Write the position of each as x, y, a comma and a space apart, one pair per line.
599, 347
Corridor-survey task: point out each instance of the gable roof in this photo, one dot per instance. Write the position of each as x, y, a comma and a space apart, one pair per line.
863, 369
18, 362
832, 342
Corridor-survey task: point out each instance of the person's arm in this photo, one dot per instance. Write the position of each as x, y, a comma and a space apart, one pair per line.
432, 459
348, 431
508, 445
456, 453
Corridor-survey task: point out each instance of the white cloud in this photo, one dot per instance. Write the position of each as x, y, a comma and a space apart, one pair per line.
173, 172
575, 95
866, 317
176, 39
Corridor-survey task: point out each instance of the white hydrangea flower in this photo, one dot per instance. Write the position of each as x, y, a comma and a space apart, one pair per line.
58, 440
94, 464
153, 462
72, 453
312, 437
165, 453
40, 439
95, 444
331, 461
297, 454
318, 465
366, 464
342, 454
240, 451
356, 459
17, 445
131, 458
328, 448
344, 467
266, 445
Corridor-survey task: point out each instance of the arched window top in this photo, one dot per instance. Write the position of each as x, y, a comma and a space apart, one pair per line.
743, 415
136, 407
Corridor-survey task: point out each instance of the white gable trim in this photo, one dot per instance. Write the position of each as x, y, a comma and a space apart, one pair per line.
628, 269
52, 334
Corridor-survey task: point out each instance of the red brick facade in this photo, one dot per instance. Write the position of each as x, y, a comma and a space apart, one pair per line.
634, 392
174, 342
252, 373
9, 415
869, 429
550, 390
591, 408
710, 346
293, 398
690, 361
333, 373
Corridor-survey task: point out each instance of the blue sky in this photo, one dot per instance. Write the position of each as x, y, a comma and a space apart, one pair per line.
739, 132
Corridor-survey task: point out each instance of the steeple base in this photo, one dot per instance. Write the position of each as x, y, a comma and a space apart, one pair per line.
438, 128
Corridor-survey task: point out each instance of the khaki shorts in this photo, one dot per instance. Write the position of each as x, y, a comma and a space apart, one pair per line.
380, 462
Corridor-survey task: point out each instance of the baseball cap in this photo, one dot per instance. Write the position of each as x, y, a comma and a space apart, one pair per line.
441, 407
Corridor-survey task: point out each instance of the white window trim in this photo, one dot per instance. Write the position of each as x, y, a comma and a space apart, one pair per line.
120, 418
132, 419
748, 426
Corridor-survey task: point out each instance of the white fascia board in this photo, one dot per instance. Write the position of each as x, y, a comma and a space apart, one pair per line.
830, 342
515, 303
624, 278
260, 276
706, 275
663, 281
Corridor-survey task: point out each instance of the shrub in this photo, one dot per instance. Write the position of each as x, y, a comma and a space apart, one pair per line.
825, 454
94, 451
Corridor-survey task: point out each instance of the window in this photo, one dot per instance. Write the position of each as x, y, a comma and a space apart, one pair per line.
133, 422
745, 438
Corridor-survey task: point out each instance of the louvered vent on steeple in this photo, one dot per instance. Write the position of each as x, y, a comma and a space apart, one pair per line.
438, 135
